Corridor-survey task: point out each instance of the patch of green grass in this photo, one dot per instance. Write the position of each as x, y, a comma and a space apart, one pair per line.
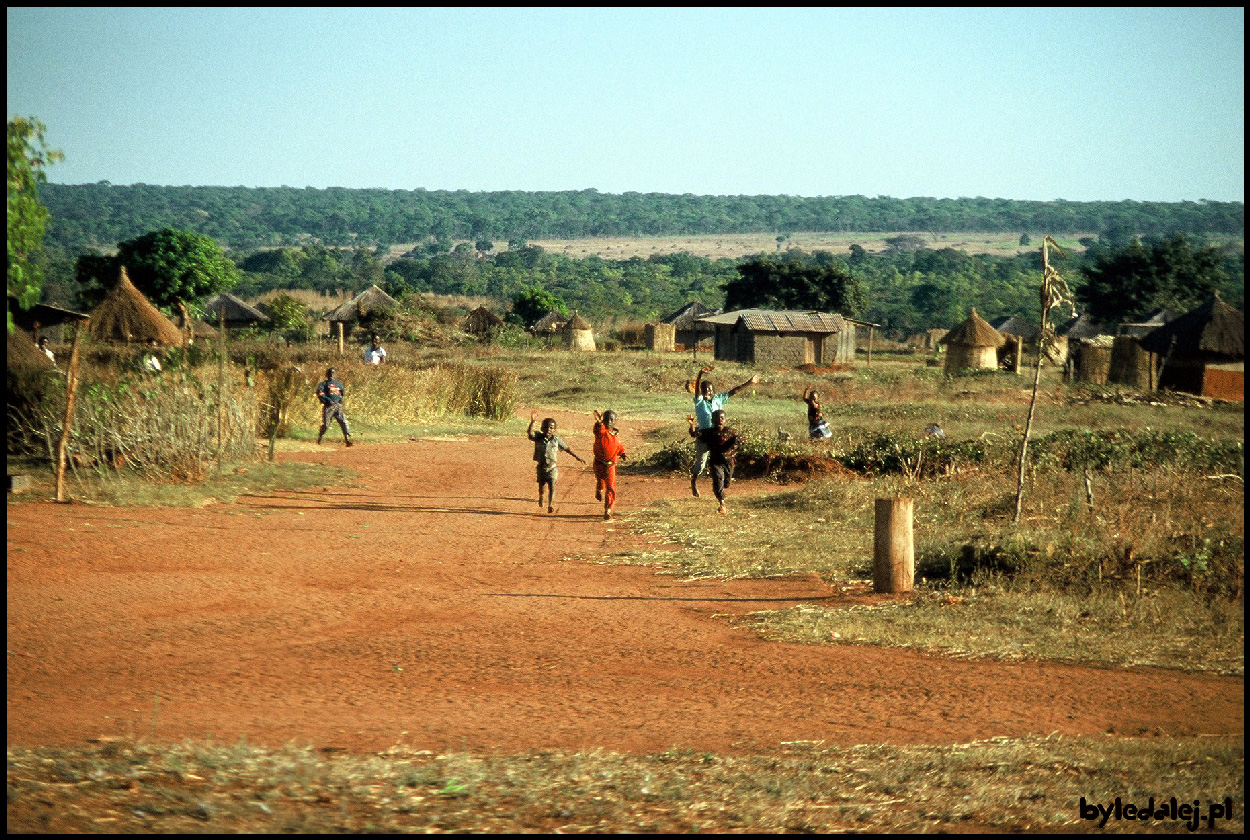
1009, 785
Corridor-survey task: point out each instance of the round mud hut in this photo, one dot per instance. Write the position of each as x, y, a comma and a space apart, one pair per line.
578, 335
973, 344
125, 316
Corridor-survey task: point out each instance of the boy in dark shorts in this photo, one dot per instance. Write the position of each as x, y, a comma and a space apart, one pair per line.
608, 451
546, 447
721, 443
330, 393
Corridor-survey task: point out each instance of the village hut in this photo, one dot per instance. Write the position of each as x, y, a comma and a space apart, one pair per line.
549, 324
126, 316
1072, 338
973, 344
482, 323
685, 323
1138, 329
21, 352
782, 337
1203, 351
233, 312
578, 334
362, 310
43, 318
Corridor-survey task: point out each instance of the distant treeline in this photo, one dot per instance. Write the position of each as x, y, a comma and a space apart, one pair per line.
102, 214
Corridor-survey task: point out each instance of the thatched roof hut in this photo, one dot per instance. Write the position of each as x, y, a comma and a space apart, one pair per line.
1017, 326
1203, 351
973, 344
1084, 328
550, 323
369, 304
235, 312
125, 315
22, 353
578, 334
481, 322
684, 322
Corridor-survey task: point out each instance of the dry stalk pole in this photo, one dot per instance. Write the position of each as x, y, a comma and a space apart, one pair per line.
71, 391
221, 386
1053, 292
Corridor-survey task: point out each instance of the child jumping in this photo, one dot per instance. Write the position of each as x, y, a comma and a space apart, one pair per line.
608, 451
721, 443
546, 447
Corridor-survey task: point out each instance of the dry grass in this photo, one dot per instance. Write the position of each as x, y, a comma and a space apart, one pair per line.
1002, 785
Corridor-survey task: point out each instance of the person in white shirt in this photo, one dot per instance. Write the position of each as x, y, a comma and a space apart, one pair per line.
375, 353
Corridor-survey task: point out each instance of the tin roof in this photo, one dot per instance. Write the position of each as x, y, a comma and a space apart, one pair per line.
780, 321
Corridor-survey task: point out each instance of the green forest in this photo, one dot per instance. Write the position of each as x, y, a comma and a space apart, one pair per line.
1159, 255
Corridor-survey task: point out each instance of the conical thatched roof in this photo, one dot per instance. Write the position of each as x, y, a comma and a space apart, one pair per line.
577, 322
126, 315
369, 303
1015, 325
235, 310
1083, 327
1212, 331
481, 320
684, 318
22, 352
549, 323
974, 332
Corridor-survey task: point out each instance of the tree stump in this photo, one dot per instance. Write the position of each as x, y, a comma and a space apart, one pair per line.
894, 562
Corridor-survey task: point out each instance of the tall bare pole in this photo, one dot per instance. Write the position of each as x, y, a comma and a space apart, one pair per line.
1053, 292
71, 391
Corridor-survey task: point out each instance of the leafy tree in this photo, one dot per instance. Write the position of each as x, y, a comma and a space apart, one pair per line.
1139, 279
27, 216
289, 317
168, 266
794, 282
534, 302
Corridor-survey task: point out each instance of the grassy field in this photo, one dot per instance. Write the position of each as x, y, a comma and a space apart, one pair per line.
1121, 559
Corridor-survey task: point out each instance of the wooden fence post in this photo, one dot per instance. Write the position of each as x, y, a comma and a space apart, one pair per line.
893, 568
71, 391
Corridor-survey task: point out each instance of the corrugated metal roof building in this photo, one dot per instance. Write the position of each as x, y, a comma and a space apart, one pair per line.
782, 337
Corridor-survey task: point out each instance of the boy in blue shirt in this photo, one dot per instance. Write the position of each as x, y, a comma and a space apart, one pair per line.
705, 403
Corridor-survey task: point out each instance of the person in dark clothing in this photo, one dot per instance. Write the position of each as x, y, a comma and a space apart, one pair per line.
722, 444
546, 447
331, 393
817, 428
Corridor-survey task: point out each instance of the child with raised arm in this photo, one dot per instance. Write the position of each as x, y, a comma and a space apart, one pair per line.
546, 447
721, 443
608, 450
706, 401
817, 428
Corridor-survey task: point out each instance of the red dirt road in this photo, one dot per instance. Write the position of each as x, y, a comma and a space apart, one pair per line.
430, 606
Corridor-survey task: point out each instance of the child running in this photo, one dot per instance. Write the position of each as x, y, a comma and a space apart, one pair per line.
721, 443
546, 447
608, 451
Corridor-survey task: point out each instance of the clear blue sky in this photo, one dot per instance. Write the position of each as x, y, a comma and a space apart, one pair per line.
1035, 103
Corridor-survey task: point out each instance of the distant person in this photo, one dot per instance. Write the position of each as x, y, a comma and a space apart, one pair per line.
375, 353
608, 451
331, 393
705, 404
817, 428
546, 447
721, 443
150, 362
43, 347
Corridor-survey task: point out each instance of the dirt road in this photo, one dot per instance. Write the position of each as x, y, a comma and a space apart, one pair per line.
430, 606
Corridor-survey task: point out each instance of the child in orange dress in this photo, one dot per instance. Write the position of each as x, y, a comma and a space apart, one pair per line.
608, 450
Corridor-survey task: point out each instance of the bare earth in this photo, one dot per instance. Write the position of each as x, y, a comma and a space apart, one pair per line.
431, 606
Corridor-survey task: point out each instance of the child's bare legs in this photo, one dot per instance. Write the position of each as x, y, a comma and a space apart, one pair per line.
720, 481
550, 484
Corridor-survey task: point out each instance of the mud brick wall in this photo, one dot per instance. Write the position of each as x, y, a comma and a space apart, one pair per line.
786, 350
661, 337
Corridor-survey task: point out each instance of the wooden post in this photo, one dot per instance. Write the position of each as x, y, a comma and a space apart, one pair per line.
1018, 341
893, 568
340, 326
221, 385
870, 328
71, 390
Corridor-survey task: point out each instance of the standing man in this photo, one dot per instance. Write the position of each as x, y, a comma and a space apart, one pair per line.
705, 403
375, 353
331, 393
